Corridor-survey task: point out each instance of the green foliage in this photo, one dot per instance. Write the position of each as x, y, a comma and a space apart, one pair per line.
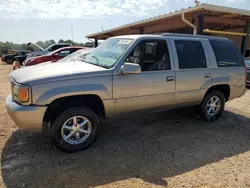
61, 41
10, 46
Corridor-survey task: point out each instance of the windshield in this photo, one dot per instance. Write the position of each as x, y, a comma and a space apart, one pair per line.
78, 55
109, 52
48, 53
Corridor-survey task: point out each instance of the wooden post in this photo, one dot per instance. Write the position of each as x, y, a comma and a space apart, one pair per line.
200, 23
96, 42
141, 30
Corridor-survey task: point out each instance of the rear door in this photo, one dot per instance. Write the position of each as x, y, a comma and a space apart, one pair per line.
192, 69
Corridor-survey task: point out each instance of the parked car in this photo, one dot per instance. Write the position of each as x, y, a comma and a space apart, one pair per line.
51, 48
247, 61
52, 56
126, 74
79, 55
21, 58
10, 58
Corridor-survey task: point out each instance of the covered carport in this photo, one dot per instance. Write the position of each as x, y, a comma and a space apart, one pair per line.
204, 19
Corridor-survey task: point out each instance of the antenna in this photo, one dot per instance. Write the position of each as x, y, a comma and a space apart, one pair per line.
102, 28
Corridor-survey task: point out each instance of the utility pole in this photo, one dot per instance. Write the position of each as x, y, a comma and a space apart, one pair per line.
72, 32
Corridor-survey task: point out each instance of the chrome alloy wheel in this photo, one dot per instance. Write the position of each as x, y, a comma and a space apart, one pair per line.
76, 130
213, 106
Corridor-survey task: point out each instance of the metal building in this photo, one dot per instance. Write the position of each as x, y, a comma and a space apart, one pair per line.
204, 19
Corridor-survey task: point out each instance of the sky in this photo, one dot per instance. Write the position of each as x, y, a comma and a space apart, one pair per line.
23, 21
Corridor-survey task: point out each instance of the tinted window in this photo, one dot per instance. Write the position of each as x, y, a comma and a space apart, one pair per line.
151, 55
55, 47
64, 52
190, 54
226, 53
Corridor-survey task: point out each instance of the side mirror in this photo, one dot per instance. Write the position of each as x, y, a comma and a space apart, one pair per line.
130, 68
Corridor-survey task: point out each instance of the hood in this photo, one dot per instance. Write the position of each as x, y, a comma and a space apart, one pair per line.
8, 55
36, 53
47, 71
46, 62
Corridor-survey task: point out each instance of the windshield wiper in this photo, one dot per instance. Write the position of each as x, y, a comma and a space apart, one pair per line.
104, 66
97, 60
98, 63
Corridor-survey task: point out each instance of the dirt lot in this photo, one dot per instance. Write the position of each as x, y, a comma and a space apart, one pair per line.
162, 149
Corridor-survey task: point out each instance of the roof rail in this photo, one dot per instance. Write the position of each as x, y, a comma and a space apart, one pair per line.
193, 36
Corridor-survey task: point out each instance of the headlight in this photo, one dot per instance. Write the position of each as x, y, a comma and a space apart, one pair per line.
21, 93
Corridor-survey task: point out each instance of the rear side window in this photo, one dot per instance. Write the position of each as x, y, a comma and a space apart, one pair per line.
190, 54
226, 53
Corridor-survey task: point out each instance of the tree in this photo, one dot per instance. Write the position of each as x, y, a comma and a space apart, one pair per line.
52, 41
69, 41
61, 41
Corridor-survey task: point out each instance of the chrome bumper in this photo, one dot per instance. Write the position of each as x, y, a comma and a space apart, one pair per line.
27, 118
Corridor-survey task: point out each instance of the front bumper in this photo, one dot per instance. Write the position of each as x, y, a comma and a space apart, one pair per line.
27, 118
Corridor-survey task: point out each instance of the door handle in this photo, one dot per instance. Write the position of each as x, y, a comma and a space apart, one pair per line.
208, 75
170, 79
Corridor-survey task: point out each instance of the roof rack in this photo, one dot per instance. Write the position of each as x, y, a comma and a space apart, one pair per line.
192, 36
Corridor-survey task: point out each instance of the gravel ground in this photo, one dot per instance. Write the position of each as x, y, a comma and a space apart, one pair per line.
161, 149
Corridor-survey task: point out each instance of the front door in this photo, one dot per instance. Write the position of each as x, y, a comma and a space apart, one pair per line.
154, 86
193, 72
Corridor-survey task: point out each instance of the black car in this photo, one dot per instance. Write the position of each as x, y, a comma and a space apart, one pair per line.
21, 58
10, 58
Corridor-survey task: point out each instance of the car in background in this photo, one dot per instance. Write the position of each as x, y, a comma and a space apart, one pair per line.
247, 62
52, 56
79, 55
42, 51
10, 58
20, 58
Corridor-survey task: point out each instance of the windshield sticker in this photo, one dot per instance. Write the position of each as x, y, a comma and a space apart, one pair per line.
124, 42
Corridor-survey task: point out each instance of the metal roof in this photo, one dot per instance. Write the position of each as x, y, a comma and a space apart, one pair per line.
207, 7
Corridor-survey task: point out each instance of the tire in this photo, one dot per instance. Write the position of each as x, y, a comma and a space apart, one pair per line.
57, 128
9, 61
204, 109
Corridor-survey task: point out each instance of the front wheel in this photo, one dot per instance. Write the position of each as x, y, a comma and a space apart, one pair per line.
9, 61
75, 129
212, 106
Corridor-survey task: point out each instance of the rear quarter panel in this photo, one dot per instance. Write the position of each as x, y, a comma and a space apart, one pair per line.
233, 76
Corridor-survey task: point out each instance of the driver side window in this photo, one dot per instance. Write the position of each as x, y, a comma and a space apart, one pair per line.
151, 55
64, 53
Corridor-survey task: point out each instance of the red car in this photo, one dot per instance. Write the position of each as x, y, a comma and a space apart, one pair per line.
52, 56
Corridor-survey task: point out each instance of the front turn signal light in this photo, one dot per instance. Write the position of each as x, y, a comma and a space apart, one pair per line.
23, 94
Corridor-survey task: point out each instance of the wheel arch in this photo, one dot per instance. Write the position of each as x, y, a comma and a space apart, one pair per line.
59, 105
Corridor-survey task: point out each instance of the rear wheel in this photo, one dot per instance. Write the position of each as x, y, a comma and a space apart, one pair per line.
212, 106
75, 129
9, 61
